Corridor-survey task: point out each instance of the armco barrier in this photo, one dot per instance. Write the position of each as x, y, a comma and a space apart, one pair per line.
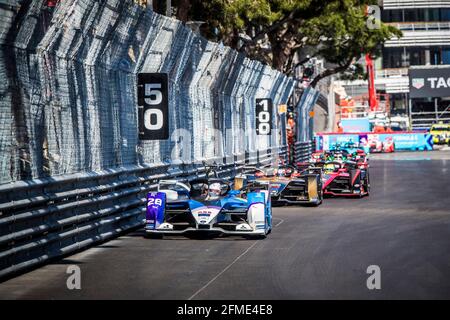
302, 151
69, 89
69, 125
54, 217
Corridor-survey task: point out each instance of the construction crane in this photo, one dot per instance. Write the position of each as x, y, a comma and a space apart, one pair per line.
373, 101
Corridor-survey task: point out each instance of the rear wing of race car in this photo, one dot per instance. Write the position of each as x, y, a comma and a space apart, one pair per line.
350, 165
246, 183
171, 184
252, 169
306, 168
255, 185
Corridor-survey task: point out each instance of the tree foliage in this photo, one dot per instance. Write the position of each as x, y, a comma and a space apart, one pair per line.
273, 31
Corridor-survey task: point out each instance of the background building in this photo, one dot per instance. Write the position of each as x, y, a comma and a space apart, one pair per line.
425, 42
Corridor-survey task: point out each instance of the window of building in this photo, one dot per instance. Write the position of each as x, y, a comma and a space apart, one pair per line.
394, 58
392, 16
415, 56
445, 14
446, 56
411, 15
416, 15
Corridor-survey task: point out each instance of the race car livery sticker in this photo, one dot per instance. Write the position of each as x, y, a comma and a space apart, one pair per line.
205, 214
155, 209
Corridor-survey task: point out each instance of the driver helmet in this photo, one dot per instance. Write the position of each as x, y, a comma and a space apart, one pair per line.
329, 167
214, 190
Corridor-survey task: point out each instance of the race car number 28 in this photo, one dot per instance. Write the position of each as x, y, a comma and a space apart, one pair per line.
153, 201
263, 116
153, 106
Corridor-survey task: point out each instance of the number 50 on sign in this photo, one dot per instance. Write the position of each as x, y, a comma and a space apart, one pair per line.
153, 103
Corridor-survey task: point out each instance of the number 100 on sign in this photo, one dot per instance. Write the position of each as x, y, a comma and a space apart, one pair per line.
153, 105
263, 116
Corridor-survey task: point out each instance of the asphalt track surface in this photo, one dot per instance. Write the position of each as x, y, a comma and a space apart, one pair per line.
312, 253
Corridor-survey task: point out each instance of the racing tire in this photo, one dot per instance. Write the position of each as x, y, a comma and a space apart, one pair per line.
260, 236
318, 203
321, 199
320, 193
367, 184
361, 193
359, 180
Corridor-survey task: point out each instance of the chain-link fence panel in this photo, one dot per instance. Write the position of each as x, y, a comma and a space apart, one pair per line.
68, 97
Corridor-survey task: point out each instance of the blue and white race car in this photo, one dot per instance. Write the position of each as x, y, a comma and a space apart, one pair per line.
209, 205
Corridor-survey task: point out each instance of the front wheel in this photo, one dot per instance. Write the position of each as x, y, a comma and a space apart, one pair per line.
361, 192
320, 194
367, 184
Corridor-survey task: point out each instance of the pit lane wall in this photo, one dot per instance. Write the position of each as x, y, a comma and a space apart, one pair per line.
72, 169
403, 141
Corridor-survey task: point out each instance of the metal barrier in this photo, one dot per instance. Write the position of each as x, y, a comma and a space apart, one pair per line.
69, 101
68, 120
303, 151
50, 218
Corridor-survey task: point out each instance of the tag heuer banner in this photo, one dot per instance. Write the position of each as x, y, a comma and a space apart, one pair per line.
429, 82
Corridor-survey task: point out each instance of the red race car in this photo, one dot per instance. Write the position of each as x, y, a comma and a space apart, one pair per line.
318, 156
360, 157
388, 145
376, 145
345, 179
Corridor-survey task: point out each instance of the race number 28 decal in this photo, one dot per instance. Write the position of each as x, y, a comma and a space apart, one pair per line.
153, 105
263, 116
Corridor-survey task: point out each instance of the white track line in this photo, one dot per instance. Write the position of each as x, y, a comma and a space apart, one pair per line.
221, 272
281, 221
228, 266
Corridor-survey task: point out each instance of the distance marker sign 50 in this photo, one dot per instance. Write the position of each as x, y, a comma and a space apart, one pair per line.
153, 103
264, 109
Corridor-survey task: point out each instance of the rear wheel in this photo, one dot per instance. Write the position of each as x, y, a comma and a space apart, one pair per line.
315, 189
358, 185
319, 201
367, 184
361, 192
320, 190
